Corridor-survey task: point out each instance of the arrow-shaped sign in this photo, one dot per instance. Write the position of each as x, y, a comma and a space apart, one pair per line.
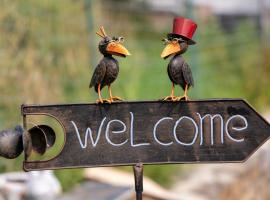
153, 132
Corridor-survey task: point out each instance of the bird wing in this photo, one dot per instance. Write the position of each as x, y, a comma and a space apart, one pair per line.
187, 74
98, 74
174, 72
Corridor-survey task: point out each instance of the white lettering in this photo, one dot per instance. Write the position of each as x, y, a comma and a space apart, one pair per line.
88, 132
117, 132
212, 117
197, 132
131, 133
155, 129
195, 135
235, 128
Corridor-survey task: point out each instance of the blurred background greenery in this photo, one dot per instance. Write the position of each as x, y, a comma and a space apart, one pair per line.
48, 51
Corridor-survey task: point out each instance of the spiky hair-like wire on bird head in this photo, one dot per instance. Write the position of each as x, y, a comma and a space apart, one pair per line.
101, 32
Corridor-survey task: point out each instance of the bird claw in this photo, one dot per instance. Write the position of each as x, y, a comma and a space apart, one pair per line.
183, 98
101, 101
110, 100
115, 98
174, 98
170, 98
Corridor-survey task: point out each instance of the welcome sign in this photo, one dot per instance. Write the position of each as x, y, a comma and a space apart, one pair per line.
153, 132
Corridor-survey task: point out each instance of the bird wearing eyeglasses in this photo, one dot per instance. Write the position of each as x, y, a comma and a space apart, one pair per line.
107, 70
177, 43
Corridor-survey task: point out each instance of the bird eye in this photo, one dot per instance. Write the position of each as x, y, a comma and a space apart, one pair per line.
165, 41
175, 40
121, 39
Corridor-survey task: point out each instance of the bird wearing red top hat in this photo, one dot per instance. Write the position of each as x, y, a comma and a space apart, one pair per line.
177, 43
107, 70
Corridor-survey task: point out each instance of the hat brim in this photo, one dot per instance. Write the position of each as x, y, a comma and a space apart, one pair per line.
189, 41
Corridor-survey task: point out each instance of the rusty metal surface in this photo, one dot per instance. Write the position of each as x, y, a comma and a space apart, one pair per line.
138, 177
11, 145
152, 132
42, 137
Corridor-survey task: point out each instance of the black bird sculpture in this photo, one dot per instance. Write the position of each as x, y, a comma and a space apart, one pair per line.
177, 43
107, 70
11, 142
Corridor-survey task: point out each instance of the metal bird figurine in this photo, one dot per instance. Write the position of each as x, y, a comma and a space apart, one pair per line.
11, 142
177, 43
107, 70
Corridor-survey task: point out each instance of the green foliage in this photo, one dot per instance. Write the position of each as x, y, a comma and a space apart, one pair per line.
234, 62
69, 177
43, 52
163, 174
46, 51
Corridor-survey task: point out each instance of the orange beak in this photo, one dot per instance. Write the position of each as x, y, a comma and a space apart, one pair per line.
171, 48
117, 49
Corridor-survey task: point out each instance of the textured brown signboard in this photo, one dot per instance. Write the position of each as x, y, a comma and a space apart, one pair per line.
153, 132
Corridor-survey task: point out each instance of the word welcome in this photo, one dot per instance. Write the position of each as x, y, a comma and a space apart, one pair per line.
226, 126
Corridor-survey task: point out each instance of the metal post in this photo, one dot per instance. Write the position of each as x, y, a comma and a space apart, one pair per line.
88, 7
138, 176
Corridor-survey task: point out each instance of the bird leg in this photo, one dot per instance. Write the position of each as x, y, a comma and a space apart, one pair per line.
171, 97
185, 96
113, 98
99, 100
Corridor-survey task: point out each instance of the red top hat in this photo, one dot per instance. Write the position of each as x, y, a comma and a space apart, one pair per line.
185, 28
